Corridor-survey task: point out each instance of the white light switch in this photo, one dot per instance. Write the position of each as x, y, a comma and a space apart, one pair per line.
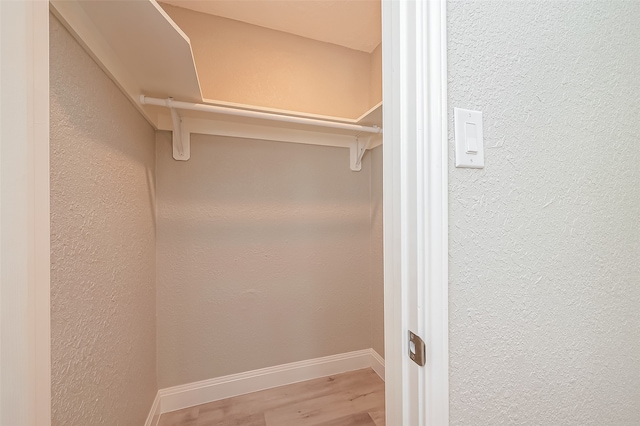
469, 140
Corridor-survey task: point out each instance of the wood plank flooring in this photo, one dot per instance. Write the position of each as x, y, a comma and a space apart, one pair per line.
355, 398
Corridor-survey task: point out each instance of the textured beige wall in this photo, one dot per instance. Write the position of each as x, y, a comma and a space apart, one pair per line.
377, 252
263, 256
103, 347
375, 90
544, 241
243, 63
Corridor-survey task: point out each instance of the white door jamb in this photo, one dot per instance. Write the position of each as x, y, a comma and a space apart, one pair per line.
25, 371
415, 209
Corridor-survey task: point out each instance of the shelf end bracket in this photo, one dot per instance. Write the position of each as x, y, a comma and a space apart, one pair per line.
357, 149
181, 135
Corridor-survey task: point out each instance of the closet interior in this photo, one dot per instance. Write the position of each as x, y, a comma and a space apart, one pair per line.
266, 185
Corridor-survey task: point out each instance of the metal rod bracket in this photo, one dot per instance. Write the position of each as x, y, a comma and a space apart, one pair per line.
181, 135
356, 151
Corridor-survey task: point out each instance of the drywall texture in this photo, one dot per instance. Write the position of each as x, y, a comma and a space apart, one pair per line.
263, 256
377, 252
244, 63
103, 334
544, 241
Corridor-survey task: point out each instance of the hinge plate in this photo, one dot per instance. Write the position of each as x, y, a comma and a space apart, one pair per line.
416, 349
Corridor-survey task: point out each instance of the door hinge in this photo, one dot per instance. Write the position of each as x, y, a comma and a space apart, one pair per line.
416, 349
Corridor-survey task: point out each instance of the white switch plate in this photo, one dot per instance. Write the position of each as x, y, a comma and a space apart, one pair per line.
469, 140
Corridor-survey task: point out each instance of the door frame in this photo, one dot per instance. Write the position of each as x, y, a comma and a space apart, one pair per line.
415, 211
25, 365
415, 187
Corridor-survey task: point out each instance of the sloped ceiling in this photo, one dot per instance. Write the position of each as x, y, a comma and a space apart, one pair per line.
350, 23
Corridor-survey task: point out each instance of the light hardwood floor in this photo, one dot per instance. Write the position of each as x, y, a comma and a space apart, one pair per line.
355, 398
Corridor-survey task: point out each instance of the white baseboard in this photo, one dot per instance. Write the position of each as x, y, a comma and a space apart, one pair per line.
154, 413
183, 396
377, 363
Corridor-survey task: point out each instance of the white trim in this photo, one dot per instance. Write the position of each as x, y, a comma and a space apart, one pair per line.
188, 395
25, 386
377, 363
392, 186
436, 299
415, 209
2, 342
42, 216
154, 413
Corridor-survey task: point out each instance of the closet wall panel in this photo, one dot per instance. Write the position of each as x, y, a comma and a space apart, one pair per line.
103, 348
263, 256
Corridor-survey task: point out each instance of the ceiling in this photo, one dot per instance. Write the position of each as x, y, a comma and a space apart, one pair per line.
350, 23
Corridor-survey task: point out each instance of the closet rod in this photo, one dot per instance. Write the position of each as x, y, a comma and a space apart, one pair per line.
170, 103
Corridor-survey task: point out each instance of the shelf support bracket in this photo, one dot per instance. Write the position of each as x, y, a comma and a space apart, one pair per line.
181, 135
357, 149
